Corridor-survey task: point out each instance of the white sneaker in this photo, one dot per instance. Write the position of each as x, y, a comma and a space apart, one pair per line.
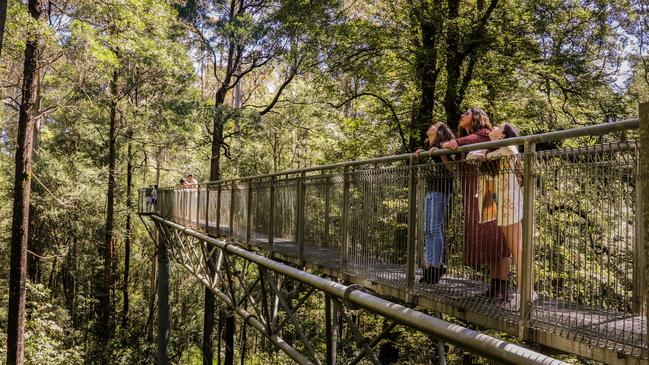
516, 302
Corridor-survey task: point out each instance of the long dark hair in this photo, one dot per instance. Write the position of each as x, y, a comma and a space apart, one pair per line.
444, 134
479, 120
509, 131
491, 167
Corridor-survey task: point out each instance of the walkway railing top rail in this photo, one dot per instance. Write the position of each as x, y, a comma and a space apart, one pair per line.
592, 130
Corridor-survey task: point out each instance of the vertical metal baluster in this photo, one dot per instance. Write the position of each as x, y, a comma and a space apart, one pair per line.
527, 274
327, 219
644, 179
271, 225
249, 212
198, 206
412, 223
207, 207
638, 249
232, 210
218, 209
300, 216
345, 219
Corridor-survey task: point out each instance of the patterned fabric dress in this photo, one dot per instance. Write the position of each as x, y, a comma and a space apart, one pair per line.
483, 242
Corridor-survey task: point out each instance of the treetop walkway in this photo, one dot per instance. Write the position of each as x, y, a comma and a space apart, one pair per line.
582, 285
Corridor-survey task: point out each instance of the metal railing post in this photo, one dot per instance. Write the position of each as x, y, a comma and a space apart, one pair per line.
271, 223
217, 218
299, 233
327, 209
207, 207
527, 270
249, 212
644, 179
231, 223
345, 218
638, 299
412, 223
198, 206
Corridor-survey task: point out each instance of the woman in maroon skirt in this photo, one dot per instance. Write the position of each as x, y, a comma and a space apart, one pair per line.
484, 243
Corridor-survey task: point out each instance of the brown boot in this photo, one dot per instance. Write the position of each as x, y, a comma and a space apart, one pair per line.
497, 289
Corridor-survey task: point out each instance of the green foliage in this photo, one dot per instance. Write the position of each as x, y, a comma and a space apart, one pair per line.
351, 78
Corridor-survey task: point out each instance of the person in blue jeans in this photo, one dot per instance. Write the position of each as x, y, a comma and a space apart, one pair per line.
439, 187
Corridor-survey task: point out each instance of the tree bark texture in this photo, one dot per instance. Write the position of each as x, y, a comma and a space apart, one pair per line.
104, 324
22, 195
3, 18
426, 63
127, 238
208, 328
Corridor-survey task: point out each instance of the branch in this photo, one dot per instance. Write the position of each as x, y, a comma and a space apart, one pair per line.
387, 104
279, 93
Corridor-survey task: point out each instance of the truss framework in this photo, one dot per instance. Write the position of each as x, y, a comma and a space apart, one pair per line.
275, 294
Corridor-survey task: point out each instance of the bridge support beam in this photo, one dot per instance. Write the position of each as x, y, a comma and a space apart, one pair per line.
163, 302
331, 328
643, 210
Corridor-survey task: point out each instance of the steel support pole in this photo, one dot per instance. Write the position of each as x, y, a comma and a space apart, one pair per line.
198, 206
249, 212
271, 223
163, 302
217, 217
331, 330
300, 221
327, 210
207, 208
644, 179
345, 219
527, 270
638, 300
412, 223
231, 223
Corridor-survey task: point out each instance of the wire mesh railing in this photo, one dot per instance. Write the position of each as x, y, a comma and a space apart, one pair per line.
548, 239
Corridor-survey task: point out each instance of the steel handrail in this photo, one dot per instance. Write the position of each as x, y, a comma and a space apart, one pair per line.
592, 130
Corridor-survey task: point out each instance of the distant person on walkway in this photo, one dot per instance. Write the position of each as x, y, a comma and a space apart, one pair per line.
484, 242
154, 195
148, 196
191, 180
183, 182
439, 188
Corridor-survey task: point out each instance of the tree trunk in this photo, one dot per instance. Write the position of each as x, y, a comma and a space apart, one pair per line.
229, 337
22, 195
3, 18
104, 325
208, 328
127, 238
153, 282
426, 61
215, 165
457, 55
454, 60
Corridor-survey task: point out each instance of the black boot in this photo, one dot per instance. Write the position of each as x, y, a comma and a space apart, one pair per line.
437, 273
426, 276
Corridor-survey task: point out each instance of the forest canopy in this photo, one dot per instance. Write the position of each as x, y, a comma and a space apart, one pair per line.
132, 93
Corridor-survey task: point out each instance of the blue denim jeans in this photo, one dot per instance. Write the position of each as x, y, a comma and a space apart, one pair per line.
436, 204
